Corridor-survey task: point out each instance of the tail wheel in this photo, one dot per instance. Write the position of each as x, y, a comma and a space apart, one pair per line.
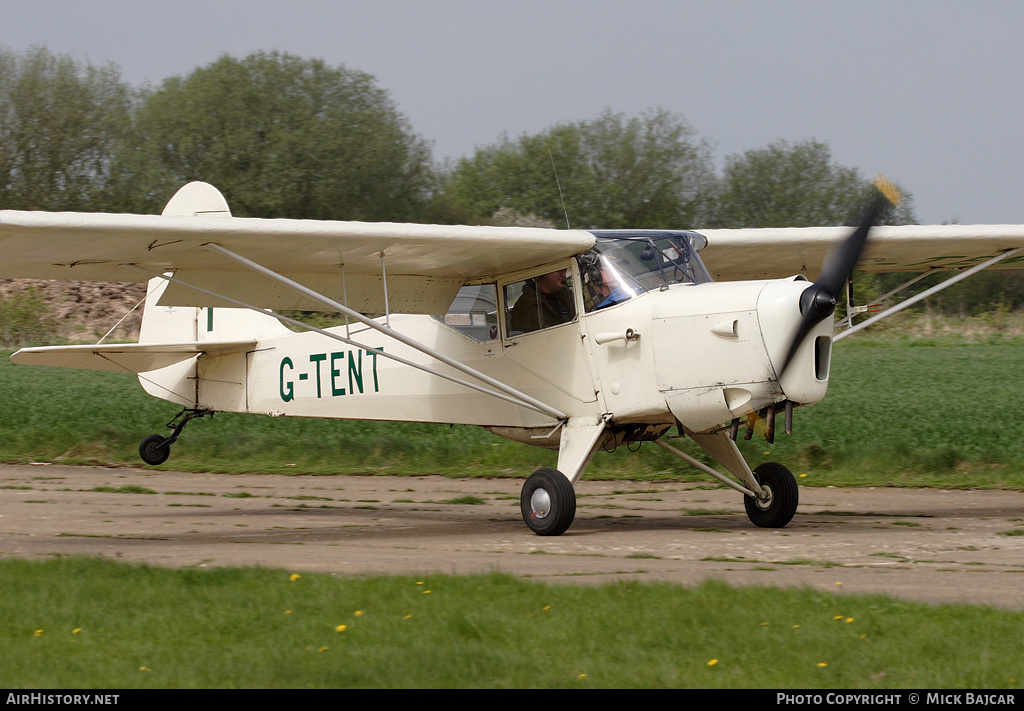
548, 502
151, 451
783, 495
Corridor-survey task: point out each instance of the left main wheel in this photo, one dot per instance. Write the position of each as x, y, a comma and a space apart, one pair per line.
548, 502
779, 507
151, 451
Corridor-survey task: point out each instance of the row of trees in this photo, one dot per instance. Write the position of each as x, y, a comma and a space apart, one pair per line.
284, 136
279, 135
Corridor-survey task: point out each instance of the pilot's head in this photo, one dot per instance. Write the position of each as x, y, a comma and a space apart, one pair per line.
552, 282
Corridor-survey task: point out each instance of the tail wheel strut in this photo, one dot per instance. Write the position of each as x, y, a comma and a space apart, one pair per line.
155, 449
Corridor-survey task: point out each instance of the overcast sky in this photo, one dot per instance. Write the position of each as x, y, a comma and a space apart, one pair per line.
924, 91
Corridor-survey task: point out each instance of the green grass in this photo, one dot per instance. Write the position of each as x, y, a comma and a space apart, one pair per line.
85, 623
926, 412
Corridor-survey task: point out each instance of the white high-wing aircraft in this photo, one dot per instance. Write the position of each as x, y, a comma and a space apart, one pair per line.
574, 340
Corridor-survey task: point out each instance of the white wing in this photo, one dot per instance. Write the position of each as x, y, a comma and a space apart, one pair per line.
425, 264
780, 252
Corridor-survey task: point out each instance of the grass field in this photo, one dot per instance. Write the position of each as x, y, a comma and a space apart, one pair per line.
917, 413
115, 626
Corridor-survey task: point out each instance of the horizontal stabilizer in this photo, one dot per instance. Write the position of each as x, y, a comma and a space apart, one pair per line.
125, 357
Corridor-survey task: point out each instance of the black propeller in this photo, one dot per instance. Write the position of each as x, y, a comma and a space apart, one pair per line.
818, 301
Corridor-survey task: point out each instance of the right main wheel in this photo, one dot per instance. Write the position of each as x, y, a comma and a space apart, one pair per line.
783, 496
548, 502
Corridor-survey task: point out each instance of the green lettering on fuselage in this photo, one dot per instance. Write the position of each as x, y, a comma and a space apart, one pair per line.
317, 358
289, 392
336, 374
335, 390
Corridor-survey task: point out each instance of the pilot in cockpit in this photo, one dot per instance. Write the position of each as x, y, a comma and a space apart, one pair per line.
602, 284
546, 301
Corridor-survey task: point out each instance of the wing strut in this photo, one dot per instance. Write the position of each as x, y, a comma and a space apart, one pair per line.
853, 311
926, 293
506, 393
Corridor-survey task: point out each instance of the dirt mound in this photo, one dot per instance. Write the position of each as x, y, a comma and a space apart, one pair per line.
86, 310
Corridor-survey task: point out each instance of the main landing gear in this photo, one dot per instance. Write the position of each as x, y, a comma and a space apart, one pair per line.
155, 448
548, 499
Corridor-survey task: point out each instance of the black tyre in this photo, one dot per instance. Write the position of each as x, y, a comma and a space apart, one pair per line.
783, 496
151, 451
548, 502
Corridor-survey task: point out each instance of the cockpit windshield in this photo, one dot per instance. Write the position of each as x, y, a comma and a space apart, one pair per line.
625, 264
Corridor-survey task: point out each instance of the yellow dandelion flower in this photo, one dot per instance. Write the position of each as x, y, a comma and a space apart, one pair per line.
294, 576
547, 607
38, 633
803, 476
341, 628
322, 649
838, 617
796, 627
426, 592
713, 662
287, 612
839, 583
419, 582
76, 630
359, 613
848, 620
407, 617
145, 669
822, 665
583, 676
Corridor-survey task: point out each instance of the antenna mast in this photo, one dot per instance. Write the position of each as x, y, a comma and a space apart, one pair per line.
560, 197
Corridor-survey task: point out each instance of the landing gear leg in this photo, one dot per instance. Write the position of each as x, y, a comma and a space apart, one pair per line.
548, 500
155, 449
770, 491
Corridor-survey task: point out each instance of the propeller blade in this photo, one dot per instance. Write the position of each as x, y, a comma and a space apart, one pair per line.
818, 301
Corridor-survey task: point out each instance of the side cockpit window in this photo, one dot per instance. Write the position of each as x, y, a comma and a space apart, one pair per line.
539, 302
605, 283
474, 312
